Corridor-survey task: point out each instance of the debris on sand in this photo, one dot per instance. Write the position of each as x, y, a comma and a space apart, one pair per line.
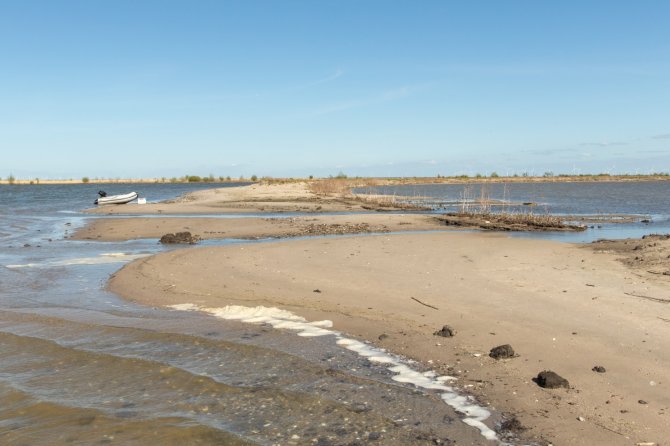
650, 253
599, 369
508, 222
502, 352
445, 332
551, 380
512, 425
179, 237
334, 228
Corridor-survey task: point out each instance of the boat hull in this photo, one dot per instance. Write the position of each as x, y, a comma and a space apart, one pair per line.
117, 199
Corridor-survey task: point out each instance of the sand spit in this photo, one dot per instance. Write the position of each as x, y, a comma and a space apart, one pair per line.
259, 198
596, 315
563, 308
114, 229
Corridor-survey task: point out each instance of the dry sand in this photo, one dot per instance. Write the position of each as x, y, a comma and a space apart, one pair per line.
562, 307
255, 198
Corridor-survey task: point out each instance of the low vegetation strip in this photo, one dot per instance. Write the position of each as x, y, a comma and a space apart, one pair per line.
509, 221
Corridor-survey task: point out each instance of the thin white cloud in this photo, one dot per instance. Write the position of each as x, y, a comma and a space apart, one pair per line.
662, 136
543, 69
603, 144
382, 97
339, 73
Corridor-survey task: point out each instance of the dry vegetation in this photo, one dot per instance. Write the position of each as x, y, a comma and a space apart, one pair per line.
342, 189
509, 221
342, 185
539, 220
389, 201
330, 187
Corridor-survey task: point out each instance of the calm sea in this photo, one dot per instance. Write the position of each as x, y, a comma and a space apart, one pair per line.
644, 200
78, 365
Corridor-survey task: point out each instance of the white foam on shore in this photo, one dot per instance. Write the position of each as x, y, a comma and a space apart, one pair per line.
111, 257
474, 414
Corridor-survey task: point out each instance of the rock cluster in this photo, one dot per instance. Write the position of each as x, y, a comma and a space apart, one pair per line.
179, 237
336, 229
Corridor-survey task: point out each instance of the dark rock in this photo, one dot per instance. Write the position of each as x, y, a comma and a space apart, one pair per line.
599, 369
551, 380
445, 332
374, 436
360, 408
502, 351
180, 237
642, 401
383, 336
316, 291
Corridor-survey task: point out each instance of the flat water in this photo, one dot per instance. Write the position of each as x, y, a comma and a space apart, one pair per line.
78, 365
648, 202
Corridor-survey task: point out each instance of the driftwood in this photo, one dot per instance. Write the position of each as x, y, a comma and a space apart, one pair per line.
653, 299
424, 304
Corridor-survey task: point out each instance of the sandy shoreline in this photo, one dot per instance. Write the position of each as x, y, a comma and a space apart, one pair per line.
380, 180
256, 198
562, 307
116, 229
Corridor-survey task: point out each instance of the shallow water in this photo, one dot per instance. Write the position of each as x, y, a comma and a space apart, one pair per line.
646, 200
78, 365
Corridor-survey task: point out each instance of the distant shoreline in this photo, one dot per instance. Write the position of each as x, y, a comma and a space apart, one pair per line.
354, 182
39, 181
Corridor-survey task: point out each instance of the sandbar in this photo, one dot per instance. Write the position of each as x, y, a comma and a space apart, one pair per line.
563, 307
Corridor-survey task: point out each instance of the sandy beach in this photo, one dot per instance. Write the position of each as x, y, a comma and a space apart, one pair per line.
562, 307
114, 229
260, 198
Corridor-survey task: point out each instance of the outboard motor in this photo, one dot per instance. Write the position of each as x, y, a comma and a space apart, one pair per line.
102, 193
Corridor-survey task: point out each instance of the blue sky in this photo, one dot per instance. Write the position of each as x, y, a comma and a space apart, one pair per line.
297, 88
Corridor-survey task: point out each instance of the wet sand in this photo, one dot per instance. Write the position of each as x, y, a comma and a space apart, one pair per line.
115, 229
562, 307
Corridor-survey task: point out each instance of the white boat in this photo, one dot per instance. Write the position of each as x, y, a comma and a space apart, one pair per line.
116, 199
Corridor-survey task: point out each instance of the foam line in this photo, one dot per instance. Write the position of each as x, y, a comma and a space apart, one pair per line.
474, 414
112, 257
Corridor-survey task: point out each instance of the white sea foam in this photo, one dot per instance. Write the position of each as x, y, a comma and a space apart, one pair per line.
111, 257
474, 414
